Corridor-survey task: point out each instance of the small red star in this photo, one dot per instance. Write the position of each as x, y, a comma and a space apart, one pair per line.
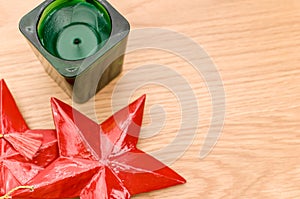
20, 159
100, 161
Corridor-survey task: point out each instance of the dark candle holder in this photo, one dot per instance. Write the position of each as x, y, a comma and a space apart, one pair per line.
81, 43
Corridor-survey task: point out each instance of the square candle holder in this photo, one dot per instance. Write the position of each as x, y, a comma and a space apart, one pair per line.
81, 43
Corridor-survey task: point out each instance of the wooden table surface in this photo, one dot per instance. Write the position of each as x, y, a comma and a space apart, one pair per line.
255, 46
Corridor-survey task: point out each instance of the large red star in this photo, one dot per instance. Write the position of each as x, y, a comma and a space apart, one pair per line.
15, 167
100, 161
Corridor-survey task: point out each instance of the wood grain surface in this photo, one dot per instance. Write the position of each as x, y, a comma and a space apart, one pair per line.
255, 46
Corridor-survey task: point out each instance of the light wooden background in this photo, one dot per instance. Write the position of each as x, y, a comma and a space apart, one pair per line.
255, 46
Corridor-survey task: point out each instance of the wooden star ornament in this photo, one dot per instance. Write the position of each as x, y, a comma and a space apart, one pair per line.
100, 161
23, 152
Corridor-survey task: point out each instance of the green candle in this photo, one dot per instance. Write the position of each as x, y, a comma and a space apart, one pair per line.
80, 43
74, 30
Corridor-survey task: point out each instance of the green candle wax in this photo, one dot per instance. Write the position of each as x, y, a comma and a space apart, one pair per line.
74, 30
77, 41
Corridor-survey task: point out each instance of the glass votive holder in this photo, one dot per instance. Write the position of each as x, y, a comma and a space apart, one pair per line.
80, 43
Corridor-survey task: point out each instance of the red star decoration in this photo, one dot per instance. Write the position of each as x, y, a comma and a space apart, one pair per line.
100, 161
19, 161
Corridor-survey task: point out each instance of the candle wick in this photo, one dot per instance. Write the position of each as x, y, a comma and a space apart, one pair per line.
77, 41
